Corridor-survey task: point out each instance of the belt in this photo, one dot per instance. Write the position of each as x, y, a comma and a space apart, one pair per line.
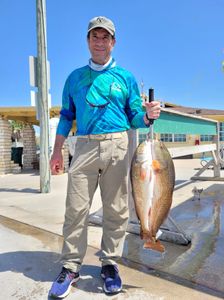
101, 137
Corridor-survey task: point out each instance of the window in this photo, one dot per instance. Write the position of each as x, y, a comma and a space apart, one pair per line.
166, 137
179, 137
206, 138
221, 131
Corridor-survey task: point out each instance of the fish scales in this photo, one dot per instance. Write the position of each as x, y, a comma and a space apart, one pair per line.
153, 179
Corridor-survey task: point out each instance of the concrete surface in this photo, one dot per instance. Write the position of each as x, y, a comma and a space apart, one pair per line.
31, 226
29, 262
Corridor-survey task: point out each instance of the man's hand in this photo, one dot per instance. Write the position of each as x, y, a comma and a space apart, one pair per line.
56, 163
153, 109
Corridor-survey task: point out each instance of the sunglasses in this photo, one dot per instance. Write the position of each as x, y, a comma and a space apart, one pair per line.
99, 103
97, 94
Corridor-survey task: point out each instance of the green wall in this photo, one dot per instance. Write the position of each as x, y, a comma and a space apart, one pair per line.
179, 124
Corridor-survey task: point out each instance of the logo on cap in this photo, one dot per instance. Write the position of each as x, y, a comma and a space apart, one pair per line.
99, 20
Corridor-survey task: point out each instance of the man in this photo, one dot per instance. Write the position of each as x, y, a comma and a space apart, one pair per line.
104, 99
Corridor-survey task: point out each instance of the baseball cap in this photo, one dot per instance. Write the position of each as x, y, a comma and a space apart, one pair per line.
102, 22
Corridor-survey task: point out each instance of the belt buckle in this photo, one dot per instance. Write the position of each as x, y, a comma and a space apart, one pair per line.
97, 136
103, 136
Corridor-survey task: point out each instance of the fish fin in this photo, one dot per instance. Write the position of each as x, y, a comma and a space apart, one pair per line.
156, 165
154, 245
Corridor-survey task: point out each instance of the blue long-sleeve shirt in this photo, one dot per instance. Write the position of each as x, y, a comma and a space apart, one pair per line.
101, 101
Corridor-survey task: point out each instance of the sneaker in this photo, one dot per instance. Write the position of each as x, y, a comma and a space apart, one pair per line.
62, 285
112, 280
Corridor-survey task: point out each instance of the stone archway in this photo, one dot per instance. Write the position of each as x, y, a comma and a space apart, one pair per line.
29, 148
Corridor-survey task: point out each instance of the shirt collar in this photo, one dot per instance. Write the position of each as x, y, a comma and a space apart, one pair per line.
108, 65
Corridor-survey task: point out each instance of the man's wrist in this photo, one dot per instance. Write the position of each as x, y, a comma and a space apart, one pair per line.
146, 120
146, 115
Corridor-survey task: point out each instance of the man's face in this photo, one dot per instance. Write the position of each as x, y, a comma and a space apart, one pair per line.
101, 44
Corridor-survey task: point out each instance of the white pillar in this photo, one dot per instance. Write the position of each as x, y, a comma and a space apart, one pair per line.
53, 122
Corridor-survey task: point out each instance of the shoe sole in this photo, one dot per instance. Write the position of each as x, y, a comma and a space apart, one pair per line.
109, 292
67, 292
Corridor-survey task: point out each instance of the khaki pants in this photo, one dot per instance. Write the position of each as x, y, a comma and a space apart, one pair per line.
103, 160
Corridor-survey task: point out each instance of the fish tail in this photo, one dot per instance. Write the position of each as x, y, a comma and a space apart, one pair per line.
154, 245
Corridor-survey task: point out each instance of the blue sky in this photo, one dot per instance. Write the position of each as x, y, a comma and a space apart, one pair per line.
174, 46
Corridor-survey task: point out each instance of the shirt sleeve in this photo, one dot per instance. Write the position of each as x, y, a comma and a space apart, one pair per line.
68, 111
134, 110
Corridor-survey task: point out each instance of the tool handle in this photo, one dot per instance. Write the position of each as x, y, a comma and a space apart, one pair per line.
151, 98
151, 94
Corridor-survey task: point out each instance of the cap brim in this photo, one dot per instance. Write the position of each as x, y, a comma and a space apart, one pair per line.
104, 27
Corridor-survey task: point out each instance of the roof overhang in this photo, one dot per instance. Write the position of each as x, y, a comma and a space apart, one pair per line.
26, 114
219, 118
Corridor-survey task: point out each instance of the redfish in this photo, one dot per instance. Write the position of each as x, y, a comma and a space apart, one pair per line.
153, 180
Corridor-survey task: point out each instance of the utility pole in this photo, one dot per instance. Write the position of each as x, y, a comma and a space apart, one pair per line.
43, 107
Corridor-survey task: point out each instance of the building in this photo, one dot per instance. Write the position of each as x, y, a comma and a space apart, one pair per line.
205, 138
